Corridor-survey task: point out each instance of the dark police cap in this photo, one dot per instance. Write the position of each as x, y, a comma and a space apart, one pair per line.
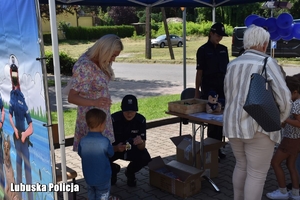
213, 94
219, 29
129, 103
13, 67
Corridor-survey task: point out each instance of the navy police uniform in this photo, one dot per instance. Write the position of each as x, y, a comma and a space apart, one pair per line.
213, 60
19, 110
125, 131
213, 63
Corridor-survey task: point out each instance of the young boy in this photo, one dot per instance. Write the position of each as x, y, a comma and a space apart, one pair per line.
95, 151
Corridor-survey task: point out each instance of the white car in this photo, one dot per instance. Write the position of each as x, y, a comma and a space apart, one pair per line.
161, 41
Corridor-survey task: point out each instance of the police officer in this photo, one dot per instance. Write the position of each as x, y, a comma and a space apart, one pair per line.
130, 140
212, 60
19, 111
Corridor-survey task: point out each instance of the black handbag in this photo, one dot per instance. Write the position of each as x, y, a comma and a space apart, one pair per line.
260, 103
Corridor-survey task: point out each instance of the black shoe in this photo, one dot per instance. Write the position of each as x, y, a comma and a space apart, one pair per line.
221, 155
131, 180
115, 170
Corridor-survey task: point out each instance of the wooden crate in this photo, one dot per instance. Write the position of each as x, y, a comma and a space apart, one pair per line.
188, 106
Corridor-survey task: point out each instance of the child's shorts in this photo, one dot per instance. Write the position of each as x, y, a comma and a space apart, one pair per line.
290, 146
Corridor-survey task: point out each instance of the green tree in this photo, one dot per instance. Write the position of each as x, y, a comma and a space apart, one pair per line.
236, 15
203, 14
44, 10
93, 10
103, 17
123, 15
295, 10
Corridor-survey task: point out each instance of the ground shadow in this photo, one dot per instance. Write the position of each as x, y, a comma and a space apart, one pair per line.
121, 87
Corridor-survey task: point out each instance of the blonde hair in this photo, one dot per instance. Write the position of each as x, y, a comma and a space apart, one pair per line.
102, 51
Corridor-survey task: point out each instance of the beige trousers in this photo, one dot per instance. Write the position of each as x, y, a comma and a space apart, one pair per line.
253, 158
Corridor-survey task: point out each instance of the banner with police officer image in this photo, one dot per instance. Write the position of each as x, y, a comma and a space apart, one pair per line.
25, 151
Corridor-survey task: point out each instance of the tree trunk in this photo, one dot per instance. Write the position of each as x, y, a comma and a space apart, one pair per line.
163, 13
148, 32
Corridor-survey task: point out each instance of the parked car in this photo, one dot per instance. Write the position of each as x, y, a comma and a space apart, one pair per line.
161, 41
283, 48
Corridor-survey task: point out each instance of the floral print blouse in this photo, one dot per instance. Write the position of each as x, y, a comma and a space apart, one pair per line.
92, 83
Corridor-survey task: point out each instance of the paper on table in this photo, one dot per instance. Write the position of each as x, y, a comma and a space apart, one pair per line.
208, 116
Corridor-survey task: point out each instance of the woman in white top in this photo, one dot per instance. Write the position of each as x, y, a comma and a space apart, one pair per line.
251, 145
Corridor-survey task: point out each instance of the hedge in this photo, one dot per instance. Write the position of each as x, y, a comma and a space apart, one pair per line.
66, 63
94, 33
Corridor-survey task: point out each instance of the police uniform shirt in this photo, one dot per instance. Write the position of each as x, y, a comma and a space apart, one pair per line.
127, 130
19, 109
212, 60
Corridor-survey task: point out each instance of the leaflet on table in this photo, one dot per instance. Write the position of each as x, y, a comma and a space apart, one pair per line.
208, 116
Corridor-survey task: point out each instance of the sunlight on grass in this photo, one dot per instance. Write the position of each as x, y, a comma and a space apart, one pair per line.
151, 107
134, 51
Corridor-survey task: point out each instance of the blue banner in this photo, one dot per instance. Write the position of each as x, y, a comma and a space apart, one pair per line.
26, 170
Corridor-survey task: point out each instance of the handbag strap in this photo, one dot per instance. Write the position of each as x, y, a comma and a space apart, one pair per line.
265, 70
264, 67
265, 63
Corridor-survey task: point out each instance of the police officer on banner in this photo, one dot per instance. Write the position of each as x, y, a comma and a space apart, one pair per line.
212, 60
130, 140
18, 115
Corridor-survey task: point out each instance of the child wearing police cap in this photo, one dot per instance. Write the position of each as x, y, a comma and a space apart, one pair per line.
130, 140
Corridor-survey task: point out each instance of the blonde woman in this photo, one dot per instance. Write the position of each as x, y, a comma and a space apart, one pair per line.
89, 83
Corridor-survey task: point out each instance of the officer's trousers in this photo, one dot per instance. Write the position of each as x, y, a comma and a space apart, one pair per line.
138, 158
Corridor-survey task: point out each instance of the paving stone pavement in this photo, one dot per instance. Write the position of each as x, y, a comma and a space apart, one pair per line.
159, 144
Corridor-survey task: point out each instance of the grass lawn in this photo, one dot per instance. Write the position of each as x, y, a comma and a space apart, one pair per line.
134, 51
147, 106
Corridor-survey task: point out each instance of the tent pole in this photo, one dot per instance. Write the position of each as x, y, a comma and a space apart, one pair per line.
55, 50
48, 109
184, 47
214, 14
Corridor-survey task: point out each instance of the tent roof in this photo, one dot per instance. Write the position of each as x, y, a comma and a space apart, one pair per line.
158, 3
